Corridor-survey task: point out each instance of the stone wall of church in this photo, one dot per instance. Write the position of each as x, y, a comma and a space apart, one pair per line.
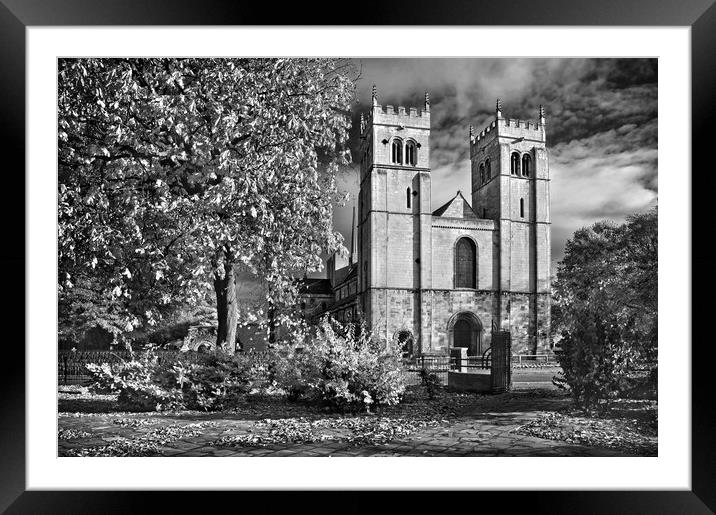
527, 317
444, 304
393, 310
446, 233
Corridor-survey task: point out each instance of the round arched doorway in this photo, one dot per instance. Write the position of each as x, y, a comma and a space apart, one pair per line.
465, 330
405, 340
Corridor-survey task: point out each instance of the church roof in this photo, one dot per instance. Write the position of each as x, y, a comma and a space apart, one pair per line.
456, 207
315, 287
345, 273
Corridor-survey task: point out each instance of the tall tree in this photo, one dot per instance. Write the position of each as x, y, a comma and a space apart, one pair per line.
173, 171
606, 306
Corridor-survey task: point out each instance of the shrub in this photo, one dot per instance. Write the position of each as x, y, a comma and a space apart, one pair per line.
207, 382
137, 382
430, 381
343, 368
339, 367
596, 364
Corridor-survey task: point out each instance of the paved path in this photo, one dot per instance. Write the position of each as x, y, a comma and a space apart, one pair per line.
485, 428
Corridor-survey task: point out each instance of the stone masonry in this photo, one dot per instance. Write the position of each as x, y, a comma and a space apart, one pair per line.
449, 276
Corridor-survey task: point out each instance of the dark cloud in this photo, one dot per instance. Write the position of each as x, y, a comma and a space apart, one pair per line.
601, 127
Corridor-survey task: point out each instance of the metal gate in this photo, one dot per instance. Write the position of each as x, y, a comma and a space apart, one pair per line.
501, 371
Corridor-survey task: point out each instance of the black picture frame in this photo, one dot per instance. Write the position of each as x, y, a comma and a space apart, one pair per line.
17, 15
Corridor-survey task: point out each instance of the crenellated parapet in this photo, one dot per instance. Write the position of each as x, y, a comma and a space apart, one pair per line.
501, 127
399, 116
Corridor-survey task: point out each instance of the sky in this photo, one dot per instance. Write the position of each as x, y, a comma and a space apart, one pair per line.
601, 128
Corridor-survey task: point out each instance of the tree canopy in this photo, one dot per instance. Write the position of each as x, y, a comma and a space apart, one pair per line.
174, 171
606, 306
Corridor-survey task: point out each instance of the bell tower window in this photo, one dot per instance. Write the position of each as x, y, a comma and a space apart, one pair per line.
482, 173
515, 163
526, 165
488, 169
397, 152
411, 153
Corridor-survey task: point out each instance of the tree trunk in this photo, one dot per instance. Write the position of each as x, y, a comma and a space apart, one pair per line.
272, 324
226, 308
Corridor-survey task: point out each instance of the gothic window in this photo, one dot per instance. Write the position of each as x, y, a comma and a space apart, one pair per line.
397, 155
526, 165
515, 163
488, 169
411, 153
407, 197
465, 259
522, 208
482, 173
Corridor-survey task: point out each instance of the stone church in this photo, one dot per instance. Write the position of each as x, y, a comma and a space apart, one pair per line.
447, 278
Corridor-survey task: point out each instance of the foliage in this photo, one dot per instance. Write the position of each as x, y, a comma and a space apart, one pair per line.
172, 172
204, 382
605, 308
344, 368
136, 382
430, 381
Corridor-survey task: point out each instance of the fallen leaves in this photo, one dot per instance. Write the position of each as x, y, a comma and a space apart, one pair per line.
141, 444
352, 430
72, 434
630, 435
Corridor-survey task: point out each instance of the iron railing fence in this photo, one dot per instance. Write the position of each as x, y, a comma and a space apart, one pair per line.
441, 365
71, 364
534, 360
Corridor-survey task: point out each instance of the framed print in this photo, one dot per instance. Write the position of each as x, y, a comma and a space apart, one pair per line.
423, 234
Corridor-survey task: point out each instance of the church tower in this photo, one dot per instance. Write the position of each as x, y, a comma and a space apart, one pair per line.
394, 218
510, 185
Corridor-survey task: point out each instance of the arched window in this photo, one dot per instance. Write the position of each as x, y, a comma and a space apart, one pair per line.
515, 163
488, 169
465, 259
397, 155
522, 208
482, 173
411, 153
526, 165
407, 197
